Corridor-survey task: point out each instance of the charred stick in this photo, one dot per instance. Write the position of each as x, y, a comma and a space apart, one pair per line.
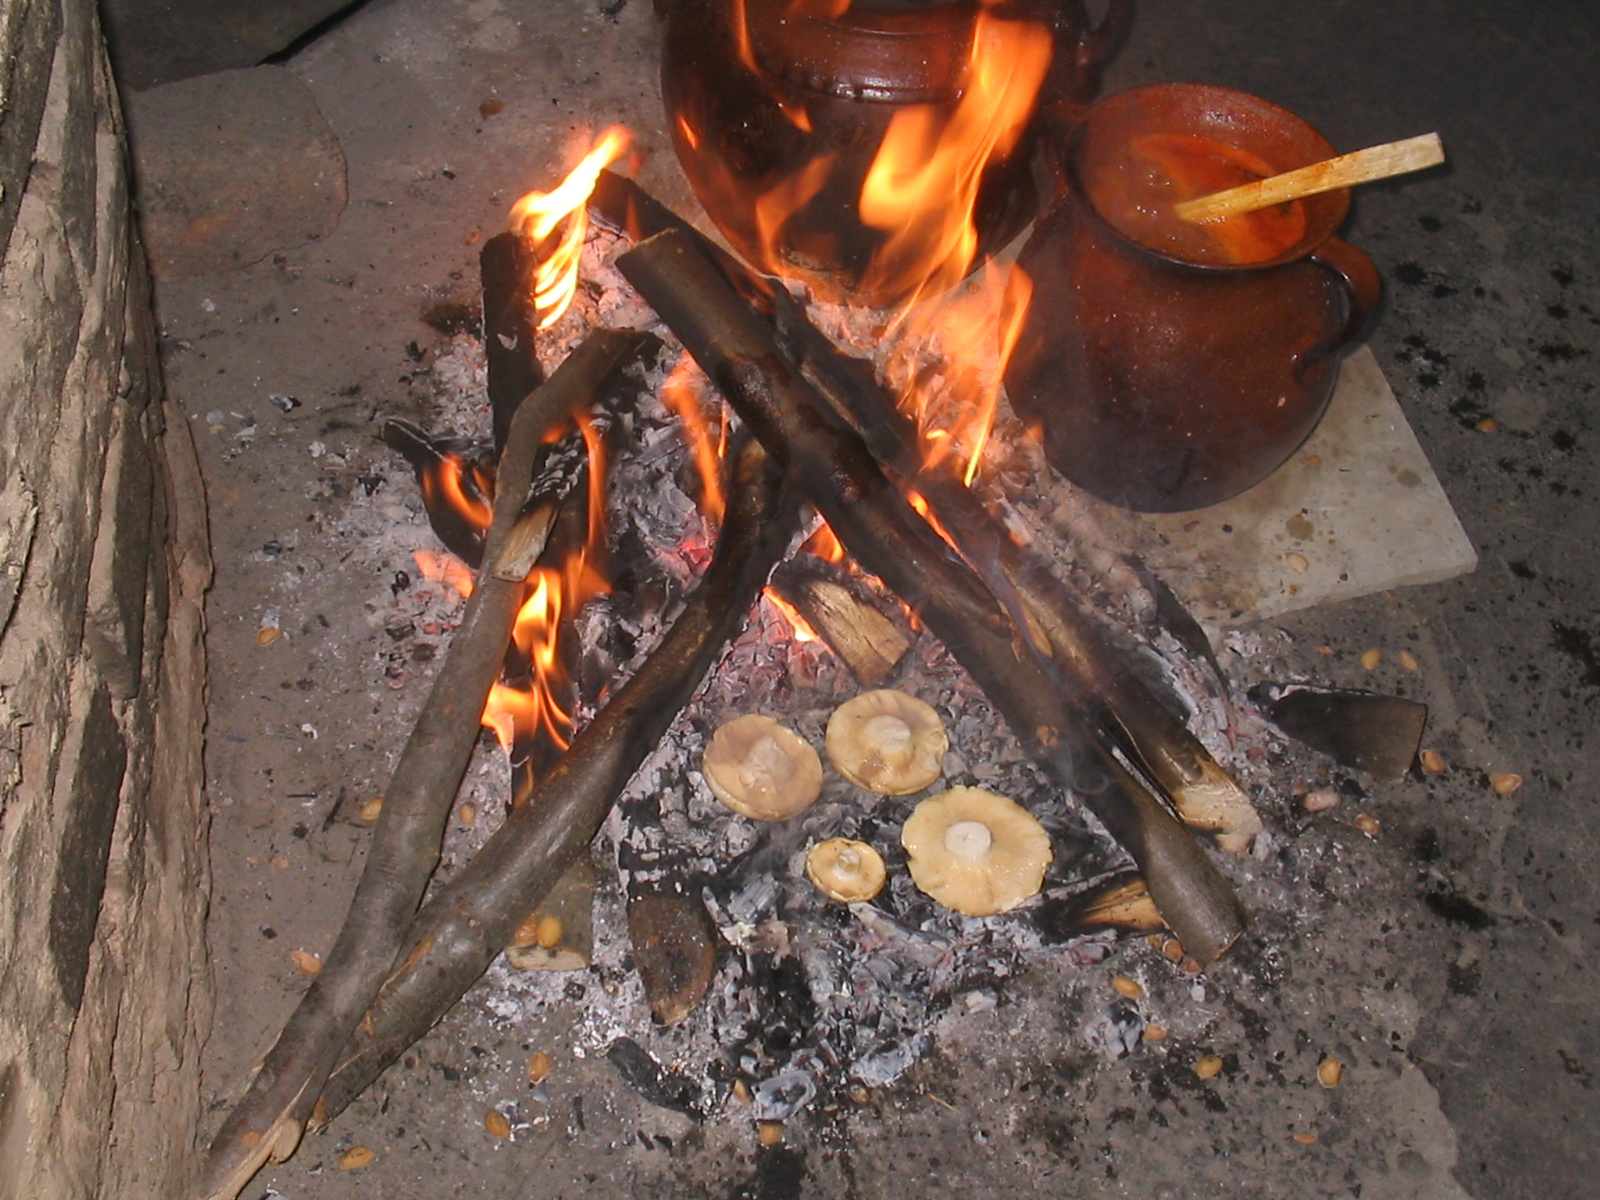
473, 917
510, 323
1113, 699
268, 1121
833, 468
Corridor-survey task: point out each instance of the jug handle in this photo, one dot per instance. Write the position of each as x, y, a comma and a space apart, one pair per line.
1097, 44
1362, 287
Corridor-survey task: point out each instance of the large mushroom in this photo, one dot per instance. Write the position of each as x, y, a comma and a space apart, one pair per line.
975, 852
762, 770
888, 742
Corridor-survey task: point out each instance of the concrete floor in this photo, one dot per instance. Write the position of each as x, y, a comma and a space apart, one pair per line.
1449, 960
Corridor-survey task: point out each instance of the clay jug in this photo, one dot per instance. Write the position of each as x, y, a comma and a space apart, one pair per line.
759, 92
1171, 366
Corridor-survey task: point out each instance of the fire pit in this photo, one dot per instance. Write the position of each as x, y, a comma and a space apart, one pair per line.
807, 1005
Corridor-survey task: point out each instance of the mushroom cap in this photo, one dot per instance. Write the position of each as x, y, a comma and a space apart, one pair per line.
888, 742
845, 870
762, 770
975, 852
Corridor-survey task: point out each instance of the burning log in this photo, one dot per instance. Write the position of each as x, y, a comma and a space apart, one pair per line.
870, 644
472, 918
1116, 704
267, 1123
994, 641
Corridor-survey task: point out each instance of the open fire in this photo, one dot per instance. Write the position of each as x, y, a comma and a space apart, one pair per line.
943, 359
798, 998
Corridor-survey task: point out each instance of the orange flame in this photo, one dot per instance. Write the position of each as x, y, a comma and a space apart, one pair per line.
683, 392
922, 187
973, 330
920, 502
538, 215
824, 543
796, 114
798, 625
446, 486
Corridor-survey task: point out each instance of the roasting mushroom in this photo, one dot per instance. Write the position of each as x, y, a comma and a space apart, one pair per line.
761, 770
888, 742
845, 870
975, 852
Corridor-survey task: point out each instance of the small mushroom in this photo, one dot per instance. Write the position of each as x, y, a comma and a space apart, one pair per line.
888, 742
845, 870
761, 770
976, 852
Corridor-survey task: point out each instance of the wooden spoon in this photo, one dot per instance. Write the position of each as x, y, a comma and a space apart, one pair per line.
1361, 166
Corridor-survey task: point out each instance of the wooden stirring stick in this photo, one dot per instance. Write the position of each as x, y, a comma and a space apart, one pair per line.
1362, 166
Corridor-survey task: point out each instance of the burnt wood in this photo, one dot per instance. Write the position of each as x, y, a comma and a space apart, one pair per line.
870, 644
510, 323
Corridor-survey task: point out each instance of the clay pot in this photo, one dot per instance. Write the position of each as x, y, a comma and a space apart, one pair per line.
1165, 375
756, 92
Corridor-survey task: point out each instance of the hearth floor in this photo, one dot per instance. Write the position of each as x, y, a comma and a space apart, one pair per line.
1442, 954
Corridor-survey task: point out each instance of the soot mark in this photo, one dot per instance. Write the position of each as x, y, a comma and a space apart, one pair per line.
1411, 274
779, 1175
1578, 645
1455, 907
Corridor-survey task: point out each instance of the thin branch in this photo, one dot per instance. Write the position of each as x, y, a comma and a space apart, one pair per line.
268, 1121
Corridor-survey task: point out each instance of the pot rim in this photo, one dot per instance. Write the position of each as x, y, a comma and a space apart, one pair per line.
1324, 212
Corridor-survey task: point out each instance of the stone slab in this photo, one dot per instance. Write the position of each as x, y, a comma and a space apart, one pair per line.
1357, 510
156, 43
232, 167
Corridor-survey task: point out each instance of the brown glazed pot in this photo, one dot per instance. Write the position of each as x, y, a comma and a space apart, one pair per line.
1163, 383
735, 75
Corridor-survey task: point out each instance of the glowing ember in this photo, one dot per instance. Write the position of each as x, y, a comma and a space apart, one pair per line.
684, 393
437, 566
538, 215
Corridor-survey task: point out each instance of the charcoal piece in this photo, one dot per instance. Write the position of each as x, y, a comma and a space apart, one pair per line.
886, 1063
780, 1096
1365, 730
1117, 1031
663, 1088
675, 951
